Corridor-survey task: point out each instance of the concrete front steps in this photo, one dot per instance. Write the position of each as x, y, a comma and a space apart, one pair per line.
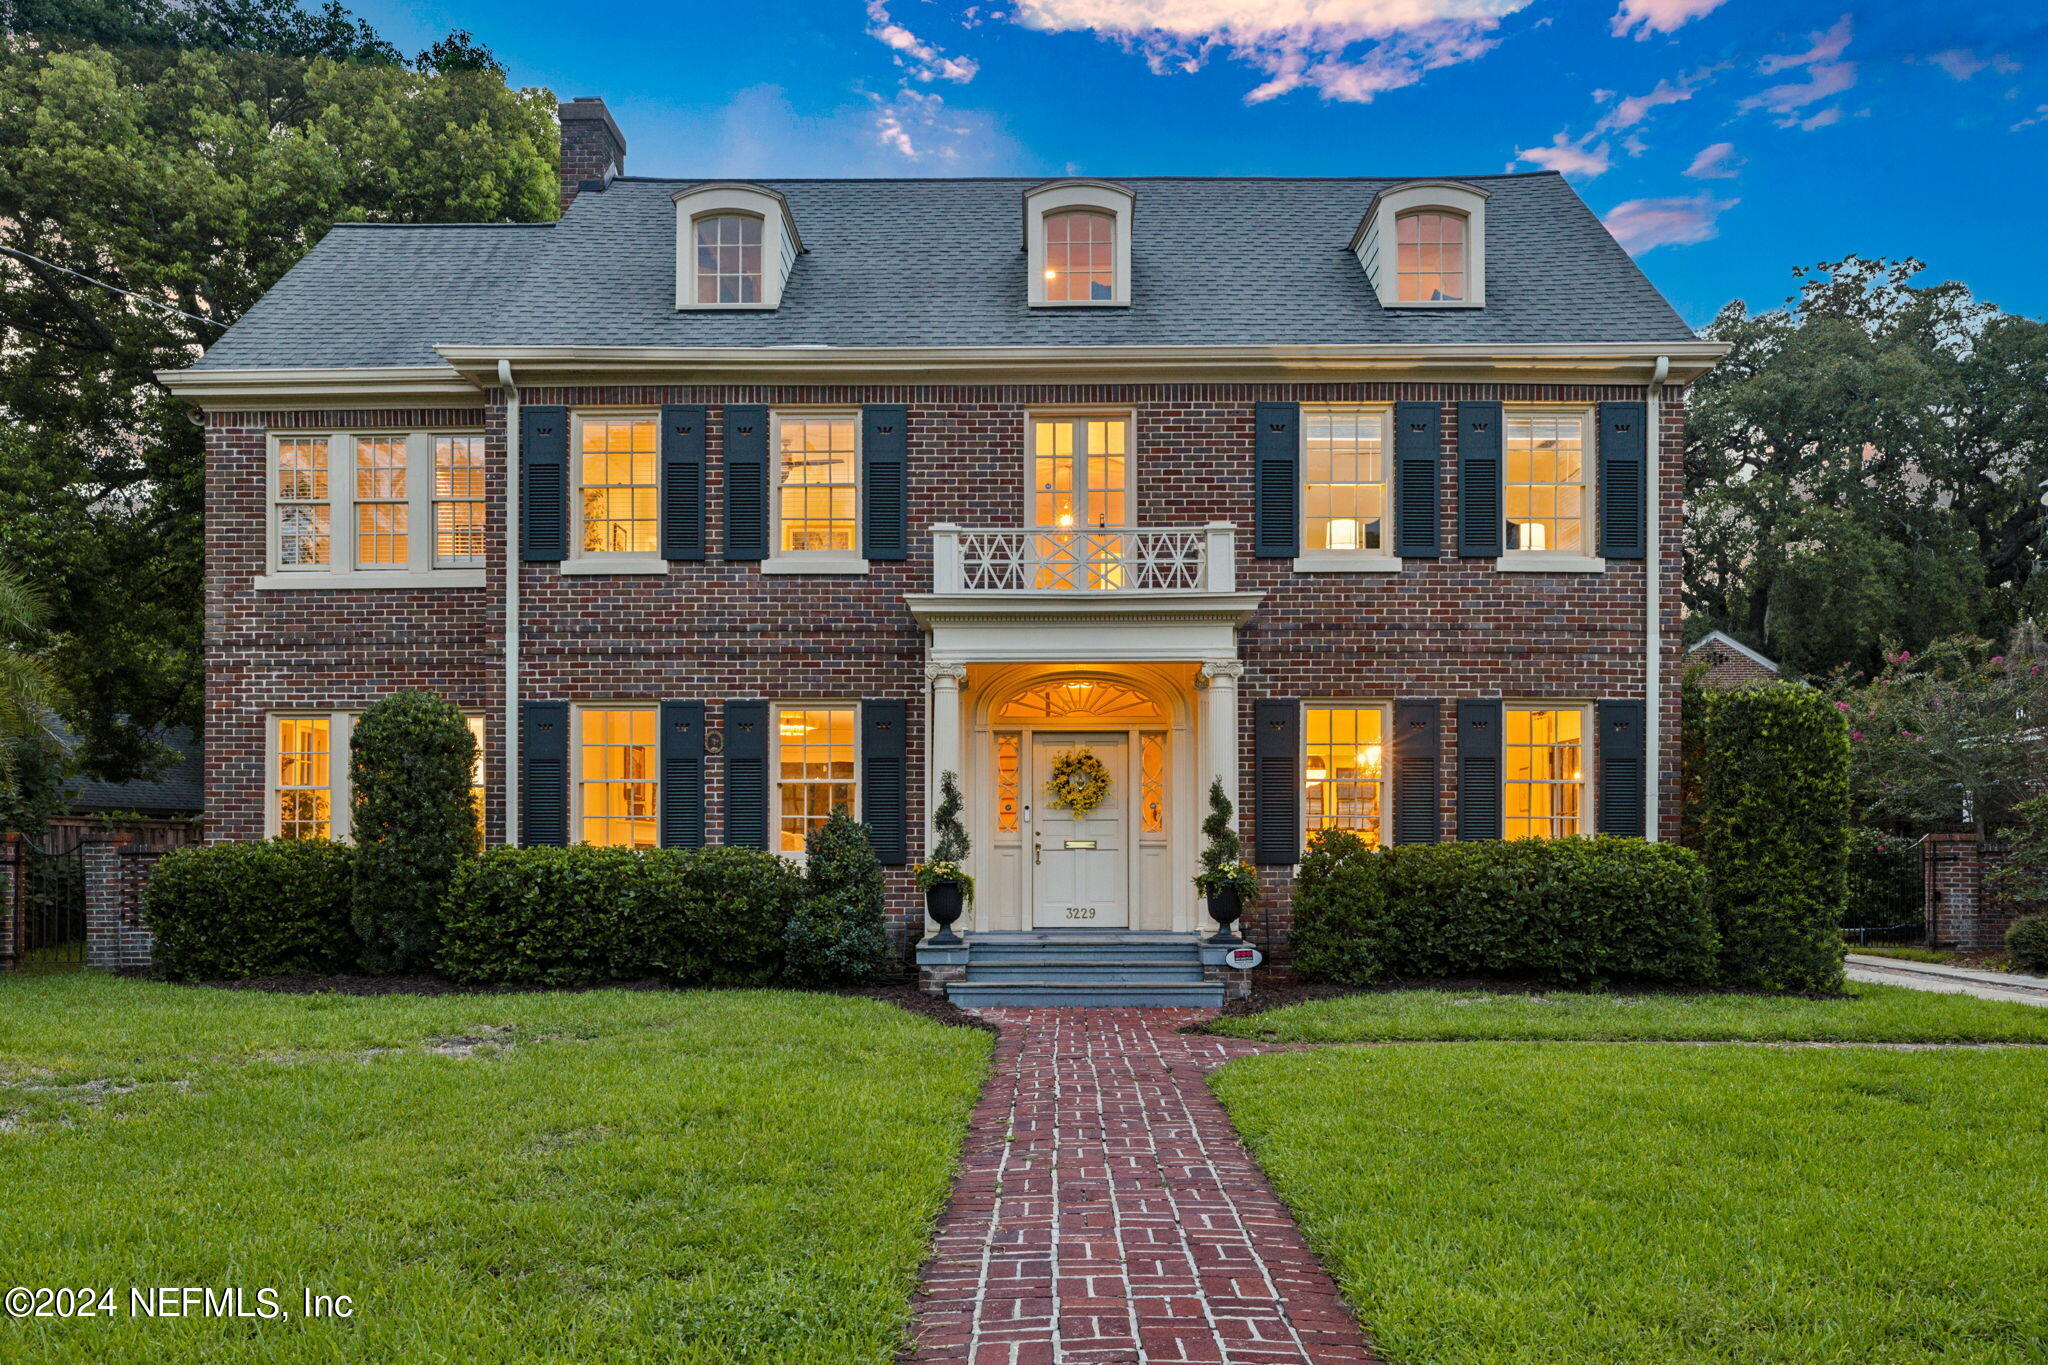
1077, 967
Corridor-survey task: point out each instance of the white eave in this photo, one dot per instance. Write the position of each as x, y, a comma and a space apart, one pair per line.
425, 384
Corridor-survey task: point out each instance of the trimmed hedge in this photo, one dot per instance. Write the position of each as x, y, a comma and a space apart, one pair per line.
414, 820
1774, 832
276, 908
2026, 938
579, 915
1577, 911
836, 937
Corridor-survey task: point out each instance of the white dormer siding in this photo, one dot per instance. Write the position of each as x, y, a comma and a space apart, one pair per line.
1068, 265
771, 245
1377, 241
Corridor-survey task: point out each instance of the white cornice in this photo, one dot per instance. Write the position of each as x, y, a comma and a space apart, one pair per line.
425, 385
1052, 609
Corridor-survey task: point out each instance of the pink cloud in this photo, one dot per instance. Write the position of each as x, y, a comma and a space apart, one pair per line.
1642, 225
1825, 76
1961, 63
1826, 48
1716, 162
1568, 157
1635, 108
1645, 17
920, 59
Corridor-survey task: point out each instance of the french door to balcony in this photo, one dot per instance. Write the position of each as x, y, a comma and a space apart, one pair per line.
1080, 501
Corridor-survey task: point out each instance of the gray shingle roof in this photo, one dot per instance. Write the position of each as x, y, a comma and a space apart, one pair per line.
939, 263
176, 790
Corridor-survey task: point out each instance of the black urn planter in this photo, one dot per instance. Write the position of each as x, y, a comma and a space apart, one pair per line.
1224, 908
942, 901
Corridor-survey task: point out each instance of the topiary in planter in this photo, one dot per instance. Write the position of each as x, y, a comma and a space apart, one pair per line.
414, 821
2026, 938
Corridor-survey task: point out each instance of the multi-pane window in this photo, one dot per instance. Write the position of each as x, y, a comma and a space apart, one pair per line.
1344, 479
458, 500
1546, 481
728, 258
817, 491
1344, 771
619, 484
304, 534
815, 758
383, 525
1080, 264
1545, 783
1009, 795
1430, 265
1080, 478
304, 793
476, 770
1152, 784
617, 787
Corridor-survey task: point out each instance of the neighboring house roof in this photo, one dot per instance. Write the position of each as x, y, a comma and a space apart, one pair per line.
177, 790
1729, 661
917, 263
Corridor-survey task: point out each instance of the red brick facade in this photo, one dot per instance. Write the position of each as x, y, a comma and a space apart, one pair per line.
711, 631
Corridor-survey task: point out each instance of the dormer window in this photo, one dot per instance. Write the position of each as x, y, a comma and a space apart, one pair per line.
728, 258
1430, 264
1077, 243
735, 246
1423, 245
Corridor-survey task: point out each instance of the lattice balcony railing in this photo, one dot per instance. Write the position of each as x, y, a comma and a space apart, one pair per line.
1090, 559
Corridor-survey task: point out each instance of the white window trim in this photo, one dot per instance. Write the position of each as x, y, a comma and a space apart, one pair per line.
1588, 766
1375, 240
781, 244
340, 571
775, 710
1347, 561
340, 728
576, 711
1556, 561
781, 561
1042, 201
1386, 780
1033, 417
580, 560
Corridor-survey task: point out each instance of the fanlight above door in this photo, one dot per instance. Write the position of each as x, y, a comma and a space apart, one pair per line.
1079, 699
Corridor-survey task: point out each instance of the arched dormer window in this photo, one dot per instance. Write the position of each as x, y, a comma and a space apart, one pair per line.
1423, 244
735, 246
1077, 243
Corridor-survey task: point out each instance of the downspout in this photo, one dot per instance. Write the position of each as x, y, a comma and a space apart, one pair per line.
511, 603
1653, 628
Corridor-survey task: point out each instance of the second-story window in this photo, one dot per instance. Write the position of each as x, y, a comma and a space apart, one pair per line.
365, 509
817, 490
1546, 486
1080, 256
305, 538
458, 500
383, 523
619, 485
1430, 264
728, 249
1344, 481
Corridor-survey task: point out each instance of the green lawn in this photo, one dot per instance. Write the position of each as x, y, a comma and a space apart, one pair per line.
1646, 1205
716, 1176
1876, 1014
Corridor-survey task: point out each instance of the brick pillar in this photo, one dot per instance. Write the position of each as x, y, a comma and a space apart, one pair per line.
593, 148
10, 880
114, 932
1954, 870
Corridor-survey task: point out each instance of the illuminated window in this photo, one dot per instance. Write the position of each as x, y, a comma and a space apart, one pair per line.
1344, 479
814, 770
1080, 477
304, 536
1008, 793
1080, 260
621, 491
458, 500
1546, 481
305, 777
729, 258
1545, 795
1151, 784
1079, 699
817, 494
382, 521
476, 771
1431, 265
1345, 769
618, 788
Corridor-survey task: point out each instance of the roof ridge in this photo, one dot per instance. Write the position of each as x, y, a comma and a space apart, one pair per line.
1040, 180
354, 223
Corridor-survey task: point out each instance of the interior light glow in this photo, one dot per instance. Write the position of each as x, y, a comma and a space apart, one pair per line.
1344, 533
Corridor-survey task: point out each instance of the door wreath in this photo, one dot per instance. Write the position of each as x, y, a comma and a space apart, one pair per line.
1079, 782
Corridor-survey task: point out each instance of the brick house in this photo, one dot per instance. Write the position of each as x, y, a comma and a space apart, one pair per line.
720, 503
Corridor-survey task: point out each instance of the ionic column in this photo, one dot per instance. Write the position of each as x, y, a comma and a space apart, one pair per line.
942, 737
1218, 682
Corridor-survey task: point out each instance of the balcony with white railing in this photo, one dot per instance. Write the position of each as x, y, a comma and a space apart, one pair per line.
1085, 561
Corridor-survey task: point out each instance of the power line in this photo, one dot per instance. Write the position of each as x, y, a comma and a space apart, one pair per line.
130, 293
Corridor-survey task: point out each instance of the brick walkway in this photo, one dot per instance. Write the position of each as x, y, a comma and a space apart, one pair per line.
1106, 1213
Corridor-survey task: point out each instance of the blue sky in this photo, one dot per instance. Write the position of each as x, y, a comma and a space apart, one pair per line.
1724, 140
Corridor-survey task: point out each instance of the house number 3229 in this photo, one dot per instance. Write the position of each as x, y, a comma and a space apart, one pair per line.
1080, 912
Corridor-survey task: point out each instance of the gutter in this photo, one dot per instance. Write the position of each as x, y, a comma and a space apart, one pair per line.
1653, 625
511, 602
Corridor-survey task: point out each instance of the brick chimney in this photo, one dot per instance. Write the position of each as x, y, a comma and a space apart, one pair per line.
593, 148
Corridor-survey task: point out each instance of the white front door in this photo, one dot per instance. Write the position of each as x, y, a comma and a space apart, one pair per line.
1081, 876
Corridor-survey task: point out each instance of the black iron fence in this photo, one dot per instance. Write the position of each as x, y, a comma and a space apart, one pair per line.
1887, 901
49, 904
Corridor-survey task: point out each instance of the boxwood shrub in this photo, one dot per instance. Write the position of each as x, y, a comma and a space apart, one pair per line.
2026, 939
580, 915
1576, 911
276, 908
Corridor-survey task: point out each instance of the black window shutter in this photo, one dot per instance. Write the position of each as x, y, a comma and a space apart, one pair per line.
885, 481
544, 772
682, 482
1276, 782
1479, 775
884, 778
746, 774
544, 485
1418, 481
1418, 749
1480, 472
746, 485
1276, 481
682, 774
1624, 480
1619, 727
